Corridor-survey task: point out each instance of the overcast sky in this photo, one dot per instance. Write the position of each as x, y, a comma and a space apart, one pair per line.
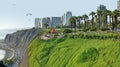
13, 12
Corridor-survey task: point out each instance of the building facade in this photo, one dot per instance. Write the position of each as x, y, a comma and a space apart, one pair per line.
101, 8
52, 22
38, 23
66, 17
55, 22
118, 7
118, 4
45, 21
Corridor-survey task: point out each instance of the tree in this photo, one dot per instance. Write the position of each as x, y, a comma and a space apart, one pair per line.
73, 21
110, 16
99, 14
115, 15
79, 18
92, 14
104, 17
85, 18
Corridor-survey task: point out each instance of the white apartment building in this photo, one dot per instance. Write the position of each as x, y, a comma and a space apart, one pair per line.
44, 21
51, 21
38, 23
66, 17
118, 7
118, 4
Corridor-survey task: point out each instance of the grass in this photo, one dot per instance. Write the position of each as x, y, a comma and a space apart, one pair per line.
74, 53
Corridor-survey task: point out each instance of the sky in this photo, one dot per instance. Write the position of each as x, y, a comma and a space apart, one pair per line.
13, 13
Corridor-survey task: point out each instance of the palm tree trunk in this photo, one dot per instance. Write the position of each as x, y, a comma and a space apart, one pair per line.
99, 22
79, 25
110, 19
75, 26
112, 24
71, 26
106, 23
85, 24
116, 23
92, 21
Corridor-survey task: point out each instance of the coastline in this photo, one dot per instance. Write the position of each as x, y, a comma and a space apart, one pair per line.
1, 45
7, 52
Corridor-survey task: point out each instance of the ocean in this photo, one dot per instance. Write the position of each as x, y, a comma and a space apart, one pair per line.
2, 54
4, 32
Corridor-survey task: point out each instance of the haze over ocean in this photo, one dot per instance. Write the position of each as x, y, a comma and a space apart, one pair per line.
6, 31
2, 54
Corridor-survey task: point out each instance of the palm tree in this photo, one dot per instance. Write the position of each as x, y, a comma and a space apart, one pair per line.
115, 15
104, 17
92, 14
79, 18
99, 14
85, 18
110, 16
73, 21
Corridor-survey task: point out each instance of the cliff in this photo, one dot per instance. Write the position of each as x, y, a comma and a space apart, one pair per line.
19, 41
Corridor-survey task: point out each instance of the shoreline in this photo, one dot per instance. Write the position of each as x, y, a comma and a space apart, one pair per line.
3, 47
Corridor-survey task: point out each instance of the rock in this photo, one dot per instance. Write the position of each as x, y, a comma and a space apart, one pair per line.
2, 65
20, 40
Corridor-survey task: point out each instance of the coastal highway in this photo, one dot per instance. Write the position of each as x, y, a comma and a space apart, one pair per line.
9, 52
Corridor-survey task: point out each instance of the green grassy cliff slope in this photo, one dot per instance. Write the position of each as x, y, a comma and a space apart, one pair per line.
74, 53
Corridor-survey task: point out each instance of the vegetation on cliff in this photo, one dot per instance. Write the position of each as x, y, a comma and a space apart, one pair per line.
78, 52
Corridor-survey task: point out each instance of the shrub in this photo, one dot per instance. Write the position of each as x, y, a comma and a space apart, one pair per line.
93, 29
105, 29
87, 29
67, 31
90, 55
58, 40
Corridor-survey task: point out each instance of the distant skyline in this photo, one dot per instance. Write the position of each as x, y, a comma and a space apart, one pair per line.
14, 13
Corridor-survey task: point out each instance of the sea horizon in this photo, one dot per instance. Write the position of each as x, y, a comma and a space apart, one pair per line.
4, 32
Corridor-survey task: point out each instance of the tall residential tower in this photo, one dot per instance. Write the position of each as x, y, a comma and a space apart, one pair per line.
66, 17
118, 4
101, 8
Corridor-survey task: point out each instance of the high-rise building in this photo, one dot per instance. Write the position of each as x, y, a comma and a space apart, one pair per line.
55, 22
118, 4
101, 8
118, 7
66, 17
51, 21
37, 23
45, 20
40, 22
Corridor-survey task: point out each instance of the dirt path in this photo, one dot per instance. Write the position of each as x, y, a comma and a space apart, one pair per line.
25, 61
